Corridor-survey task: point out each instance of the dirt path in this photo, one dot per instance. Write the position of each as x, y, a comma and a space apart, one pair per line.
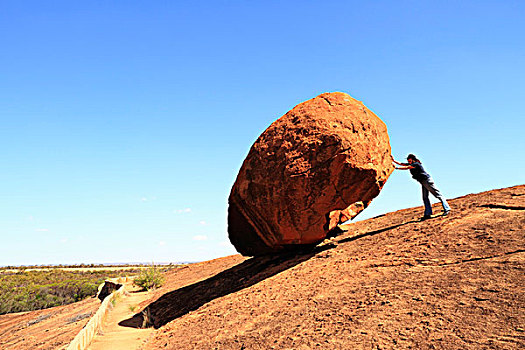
115, 337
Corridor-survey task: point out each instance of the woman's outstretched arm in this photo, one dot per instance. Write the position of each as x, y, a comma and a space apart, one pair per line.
404, 164
408, 167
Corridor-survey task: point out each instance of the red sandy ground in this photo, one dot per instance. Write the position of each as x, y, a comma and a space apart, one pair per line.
392, 282
52, 328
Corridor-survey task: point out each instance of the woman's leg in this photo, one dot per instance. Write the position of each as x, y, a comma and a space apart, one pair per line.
426, 201
431, 187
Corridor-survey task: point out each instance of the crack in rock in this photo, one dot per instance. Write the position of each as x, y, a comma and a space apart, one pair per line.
501, 206
327, 100
321, 164
404, 262
483, 258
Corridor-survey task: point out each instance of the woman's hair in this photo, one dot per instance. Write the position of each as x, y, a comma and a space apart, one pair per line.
413, 157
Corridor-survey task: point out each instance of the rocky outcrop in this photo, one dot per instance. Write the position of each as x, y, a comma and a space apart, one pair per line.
108, 288
317, 166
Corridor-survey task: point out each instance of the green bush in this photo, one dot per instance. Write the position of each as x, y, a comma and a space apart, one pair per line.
27, 290
149, 279
34, 290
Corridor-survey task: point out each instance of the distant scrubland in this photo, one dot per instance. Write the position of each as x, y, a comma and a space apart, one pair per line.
25, 289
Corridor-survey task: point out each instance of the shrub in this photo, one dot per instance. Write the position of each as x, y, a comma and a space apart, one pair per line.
44, 288
149, 279
34, 290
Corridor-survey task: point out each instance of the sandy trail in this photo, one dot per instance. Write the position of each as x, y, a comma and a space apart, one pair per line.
115, 337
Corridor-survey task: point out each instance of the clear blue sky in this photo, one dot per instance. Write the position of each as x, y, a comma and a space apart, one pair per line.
124, 123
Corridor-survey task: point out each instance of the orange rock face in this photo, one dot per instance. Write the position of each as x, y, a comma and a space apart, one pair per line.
317, 166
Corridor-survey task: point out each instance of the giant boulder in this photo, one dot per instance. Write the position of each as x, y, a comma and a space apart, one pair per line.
317, 166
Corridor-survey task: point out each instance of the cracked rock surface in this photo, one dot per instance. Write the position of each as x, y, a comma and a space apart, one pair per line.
317, 166
392, 282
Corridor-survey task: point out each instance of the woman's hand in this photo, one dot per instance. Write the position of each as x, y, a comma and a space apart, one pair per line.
393, 160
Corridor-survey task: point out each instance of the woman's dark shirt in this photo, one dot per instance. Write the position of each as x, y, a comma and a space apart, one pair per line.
418, 172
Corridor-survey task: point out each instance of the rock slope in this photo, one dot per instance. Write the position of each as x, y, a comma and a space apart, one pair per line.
392, 282
47, 329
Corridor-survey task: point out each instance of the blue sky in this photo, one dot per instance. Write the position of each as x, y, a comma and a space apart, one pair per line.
124, 123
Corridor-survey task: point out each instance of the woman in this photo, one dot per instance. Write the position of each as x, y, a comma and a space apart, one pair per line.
427, 184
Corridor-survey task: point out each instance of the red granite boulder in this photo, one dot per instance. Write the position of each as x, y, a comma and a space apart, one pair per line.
317, 166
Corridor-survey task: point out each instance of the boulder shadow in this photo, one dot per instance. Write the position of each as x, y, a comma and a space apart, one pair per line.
375, 232
179, 302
